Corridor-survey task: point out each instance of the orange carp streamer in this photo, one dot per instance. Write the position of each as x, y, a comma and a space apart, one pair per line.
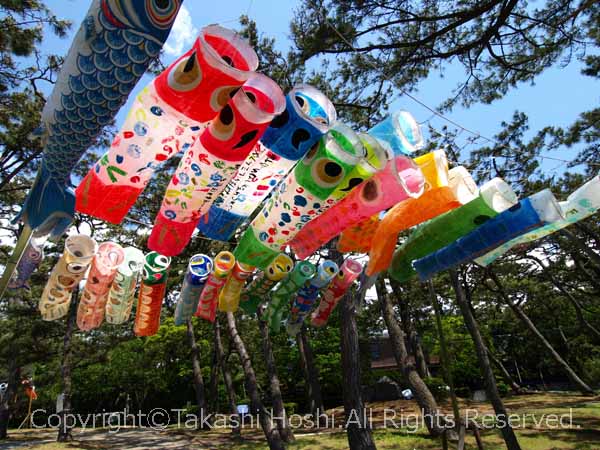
437, 200
359, 238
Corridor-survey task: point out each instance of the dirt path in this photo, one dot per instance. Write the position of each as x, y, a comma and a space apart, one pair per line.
129, 438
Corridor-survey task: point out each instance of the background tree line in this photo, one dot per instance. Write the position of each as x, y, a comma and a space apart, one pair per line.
537, 310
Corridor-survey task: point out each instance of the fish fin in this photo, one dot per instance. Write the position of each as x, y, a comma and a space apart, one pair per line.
49, 207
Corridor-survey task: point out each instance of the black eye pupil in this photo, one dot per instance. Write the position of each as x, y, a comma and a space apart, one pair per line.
300, 101
332, 169
370, 191
228, 60
162, 4
299, 136
480, 219
226, 115
280, 120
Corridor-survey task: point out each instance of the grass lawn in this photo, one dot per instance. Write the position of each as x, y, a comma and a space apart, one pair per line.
584, 433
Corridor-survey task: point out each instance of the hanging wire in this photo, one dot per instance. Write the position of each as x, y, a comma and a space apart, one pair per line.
435, 112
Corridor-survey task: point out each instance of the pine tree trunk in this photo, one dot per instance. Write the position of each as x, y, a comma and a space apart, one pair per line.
357, 428
578, 309
197, 372
8, 397
277, 399
213, 388
417, 348
484, 364
524, 318
226, 377
311, 375
64, 430
272, 434
444, 354
516, 387
433, 417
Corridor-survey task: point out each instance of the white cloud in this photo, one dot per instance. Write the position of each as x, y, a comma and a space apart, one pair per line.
182, 35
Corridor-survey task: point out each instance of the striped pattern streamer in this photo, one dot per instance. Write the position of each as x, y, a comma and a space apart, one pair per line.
122, 290
199, 269
280, 298
258, 290
152, 294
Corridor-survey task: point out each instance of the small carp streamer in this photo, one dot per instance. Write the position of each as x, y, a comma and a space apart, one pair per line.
199, 269
532, 212
29, 262
349, 272
400, 132
305, 193
111, 51
582, 203
258, 291
229, 297
308, 115
494, 197
122, 290
400, 180
283, 293
68, 272
152, 294
213, 160
90, 312
447, 190
209, 298
308, 294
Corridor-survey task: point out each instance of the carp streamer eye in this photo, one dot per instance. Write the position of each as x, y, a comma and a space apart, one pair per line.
186, 76
76, 268
370, 191
311, 154
162, 13
223, 127
221, 96
327, 173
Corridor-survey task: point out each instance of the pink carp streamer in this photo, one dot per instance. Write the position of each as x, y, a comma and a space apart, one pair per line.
166, 118
213, 160
209, 298
401, 179
349, 272
90, 312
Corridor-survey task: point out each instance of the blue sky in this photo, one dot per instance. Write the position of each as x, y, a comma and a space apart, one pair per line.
556, 98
